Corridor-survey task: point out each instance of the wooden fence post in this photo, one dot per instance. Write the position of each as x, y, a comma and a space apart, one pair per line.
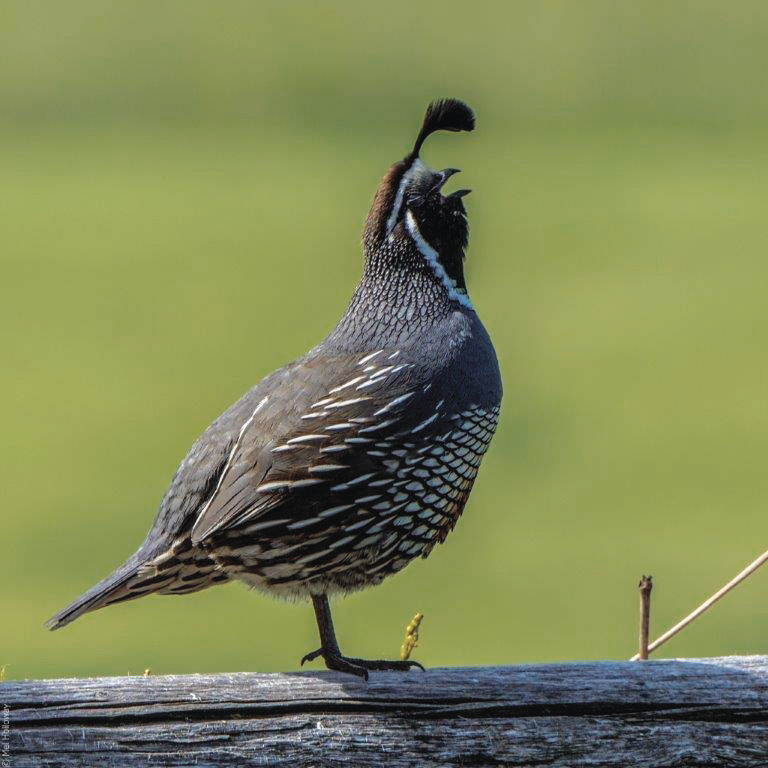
659, 713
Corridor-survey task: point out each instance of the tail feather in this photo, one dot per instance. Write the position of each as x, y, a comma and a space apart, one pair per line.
114, 589
166, 570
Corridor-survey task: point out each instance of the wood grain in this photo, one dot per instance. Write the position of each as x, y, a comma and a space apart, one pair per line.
691, 712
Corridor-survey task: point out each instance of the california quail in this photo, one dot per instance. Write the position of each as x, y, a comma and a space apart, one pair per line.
340, 468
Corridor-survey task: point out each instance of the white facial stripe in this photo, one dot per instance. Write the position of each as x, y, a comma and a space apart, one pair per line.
432, 258
416, 168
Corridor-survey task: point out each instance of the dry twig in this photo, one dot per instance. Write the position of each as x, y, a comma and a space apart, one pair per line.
750, 569
646, 585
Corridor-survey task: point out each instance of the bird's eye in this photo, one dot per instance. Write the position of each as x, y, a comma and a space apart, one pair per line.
414, 200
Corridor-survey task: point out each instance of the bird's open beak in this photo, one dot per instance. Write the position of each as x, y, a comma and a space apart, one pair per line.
446, 174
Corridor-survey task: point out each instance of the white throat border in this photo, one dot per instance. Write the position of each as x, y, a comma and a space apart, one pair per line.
432, 258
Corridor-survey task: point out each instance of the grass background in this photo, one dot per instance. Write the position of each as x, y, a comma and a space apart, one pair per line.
183, 191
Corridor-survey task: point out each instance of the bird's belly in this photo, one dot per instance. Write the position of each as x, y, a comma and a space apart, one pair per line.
323, 563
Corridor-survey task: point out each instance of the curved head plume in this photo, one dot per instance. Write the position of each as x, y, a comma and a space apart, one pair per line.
444, 115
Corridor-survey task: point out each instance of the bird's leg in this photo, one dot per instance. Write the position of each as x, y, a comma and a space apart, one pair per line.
329, 647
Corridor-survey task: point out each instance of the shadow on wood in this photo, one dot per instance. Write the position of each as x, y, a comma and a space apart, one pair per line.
656, 713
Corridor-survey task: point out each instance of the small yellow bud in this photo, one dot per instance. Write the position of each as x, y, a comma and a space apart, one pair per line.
411, 637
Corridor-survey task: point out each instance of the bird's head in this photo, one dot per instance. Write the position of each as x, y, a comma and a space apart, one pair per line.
410, 211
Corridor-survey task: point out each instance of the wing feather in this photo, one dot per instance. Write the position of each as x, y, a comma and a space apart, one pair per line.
311, 430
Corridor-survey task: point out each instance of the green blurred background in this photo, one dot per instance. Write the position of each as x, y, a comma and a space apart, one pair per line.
183, 191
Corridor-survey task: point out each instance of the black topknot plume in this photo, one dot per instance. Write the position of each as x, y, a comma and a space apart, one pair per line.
444, 115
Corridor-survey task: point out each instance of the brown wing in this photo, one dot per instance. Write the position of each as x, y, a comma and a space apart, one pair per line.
315, 428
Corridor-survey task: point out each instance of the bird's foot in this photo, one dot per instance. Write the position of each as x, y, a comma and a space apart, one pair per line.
359, 667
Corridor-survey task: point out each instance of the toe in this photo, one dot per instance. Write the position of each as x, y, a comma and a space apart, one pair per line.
341, 664
387, 665
311, 656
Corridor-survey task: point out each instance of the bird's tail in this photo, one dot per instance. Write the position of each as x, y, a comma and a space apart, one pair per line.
114, 589
166, 569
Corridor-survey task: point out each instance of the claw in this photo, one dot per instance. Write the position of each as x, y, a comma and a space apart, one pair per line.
311, 656
359, 667
329, 648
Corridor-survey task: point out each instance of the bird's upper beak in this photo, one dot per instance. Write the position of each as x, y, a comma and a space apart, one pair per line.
446, 174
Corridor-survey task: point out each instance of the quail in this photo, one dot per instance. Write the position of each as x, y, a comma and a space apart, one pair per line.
340, 468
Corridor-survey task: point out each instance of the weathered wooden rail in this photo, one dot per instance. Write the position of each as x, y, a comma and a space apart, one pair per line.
693, 712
